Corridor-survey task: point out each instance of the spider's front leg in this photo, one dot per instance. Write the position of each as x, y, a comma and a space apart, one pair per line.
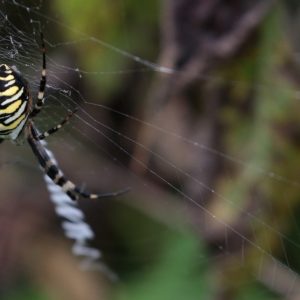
41, 94
52, 170
54, 129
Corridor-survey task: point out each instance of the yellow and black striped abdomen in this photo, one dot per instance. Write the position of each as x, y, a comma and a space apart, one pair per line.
14, 102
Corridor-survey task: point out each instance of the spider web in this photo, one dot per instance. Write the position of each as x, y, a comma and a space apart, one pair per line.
97, 150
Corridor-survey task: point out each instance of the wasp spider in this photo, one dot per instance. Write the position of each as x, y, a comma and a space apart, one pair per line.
17, 112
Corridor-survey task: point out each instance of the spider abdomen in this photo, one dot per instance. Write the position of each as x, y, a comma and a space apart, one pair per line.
14, 103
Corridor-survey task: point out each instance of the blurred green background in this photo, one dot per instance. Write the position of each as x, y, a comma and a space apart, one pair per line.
210, 149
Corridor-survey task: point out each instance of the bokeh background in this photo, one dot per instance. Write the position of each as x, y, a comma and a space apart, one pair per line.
209, 146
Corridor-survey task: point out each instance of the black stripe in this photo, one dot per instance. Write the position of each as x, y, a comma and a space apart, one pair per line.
52, 171
42, 84
61, 181
5, 132
72, 195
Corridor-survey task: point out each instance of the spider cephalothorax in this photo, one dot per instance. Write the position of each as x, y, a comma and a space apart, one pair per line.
17, 112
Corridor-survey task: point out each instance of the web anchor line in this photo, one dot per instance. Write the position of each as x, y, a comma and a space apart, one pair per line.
76, 228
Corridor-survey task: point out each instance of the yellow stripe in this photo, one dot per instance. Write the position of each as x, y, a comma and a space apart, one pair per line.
14, 124
11, 108
10, 92
7, 78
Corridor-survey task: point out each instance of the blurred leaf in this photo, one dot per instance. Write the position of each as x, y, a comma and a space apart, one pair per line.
26, 292
257, 292
119, 23
182, 273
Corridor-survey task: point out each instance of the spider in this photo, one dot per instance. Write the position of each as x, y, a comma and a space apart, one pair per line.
17, 113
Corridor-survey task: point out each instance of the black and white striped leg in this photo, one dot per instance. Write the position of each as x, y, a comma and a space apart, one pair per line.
57, 127
40, 98
52, 170
98, 196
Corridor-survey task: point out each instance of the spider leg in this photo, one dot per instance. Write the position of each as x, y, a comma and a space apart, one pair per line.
46, 163
52, 170
103, 195
57, 127
40, 98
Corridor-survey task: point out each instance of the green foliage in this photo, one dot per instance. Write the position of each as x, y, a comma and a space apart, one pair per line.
181, 273
26, 292
257, 292
119, 23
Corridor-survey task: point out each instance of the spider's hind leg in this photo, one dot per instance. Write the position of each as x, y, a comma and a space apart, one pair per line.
98, 196
52, 170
